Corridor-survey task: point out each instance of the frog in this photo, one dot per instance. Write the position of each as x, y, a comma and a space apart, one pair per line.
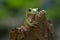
29, 13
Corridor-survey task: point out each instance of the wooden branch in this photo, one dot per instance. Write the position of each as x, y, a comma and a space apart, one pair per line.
42, 29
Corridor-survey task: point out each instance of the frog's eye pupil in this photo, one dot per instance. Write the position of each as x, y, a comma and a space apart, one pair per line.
29, 10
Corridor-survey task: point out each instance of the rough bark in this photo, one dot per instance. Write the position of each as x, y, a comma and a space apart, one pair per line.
43, 29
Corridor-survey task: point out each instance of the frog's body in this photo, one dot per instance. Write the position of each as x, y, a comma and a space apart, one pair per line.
30, 12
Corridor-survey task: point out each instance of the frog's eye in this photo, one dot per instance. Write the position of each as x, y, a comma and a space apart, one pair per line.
29, 10
34, 10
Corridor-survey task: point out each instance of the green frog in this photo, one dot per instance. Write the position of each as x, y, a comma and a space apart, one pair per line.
31, 12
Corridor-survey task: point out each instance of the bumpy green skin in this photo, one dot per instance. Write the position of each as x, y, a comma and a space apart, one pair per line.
28, 23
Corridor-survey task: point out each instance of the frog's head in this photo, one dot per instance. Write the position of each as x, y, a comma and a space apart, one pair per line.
31, 12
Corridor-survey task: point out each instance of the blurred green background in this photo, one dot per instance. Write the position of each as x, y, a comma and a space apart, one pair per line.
12, 13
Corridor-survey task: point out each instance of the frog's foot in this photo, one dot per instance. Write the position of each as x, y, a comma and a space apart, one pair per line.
23, 28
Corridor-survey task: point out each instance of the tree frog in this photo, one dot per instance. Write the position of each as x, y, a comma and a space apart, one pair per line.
30, 15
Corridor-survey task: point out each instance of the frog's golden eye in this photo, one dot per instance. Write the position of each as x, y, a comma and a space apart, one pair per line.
29, 10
